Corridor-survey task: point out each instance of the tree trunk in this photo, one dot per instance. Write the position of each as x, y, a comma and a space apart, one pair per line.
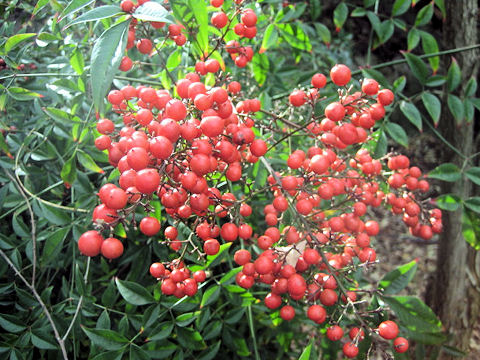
454, 294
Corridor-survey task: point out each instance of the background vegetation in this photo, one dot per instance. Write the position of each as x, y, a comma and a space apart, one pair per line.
54, 300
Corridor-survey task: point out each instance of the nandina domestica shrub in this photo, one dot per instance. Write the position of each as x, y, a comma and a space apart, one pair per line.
231, 215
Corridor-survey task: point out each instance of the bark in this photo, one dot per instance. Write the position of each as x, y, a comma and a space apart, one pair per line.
454, 291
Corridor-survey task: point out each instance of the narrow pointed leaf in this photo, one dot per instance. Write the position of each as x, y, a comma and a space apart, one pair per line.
411, 113
106, 56
433, 106
102, 12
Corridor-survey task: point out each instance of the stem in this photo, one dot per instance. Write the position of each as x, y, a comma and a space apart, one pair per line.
252, 331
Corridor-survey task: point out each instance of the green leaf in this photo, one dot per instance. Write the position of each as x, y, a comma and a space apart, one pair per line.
455, 105
340, 15
399, 84
54, 215
473, 203
39, 6
418, 67
69, 170
230, 275
54, 244
396, 280
210, 296
471, 87
260, 65
400, 7
430, 46
106, 339
433, 106
424, 15
450, 350
381, 145
190, 339
152, 11
211, 352
387, 28
134, 293
22, 94
74, 6
295, 36
375, 21
162, 331
436, 80
469, 110
137, 353
306, 352
102, 12
186, 318
11, 323
358, 12
174, 59
270, 37
397, 133
234, 315
87, 162
473, 174
41, 340
419, 320
323, 33
199, 9
411, 113
110, 355
4, 146
471, 228
448, 202
441, 5
413, 38
106, 56
76, 61
454, 75
15, 40
446, 172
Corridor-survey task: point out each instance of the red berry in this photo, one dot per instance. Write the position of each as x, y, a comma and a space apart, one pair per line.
287, 312
157, 270
334, 333
90, 243
340, 74
350, 350
149, 226
211, 247
112, 248
400, 344
388, 330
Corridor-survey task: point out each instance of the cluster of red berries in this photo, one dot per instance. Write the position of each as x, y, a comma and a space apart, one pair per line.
177, 280
145, 45
330, 196
172, 150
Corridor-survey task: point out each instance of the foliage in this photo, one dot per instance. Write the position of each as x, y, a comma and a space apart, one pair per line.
59, 66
